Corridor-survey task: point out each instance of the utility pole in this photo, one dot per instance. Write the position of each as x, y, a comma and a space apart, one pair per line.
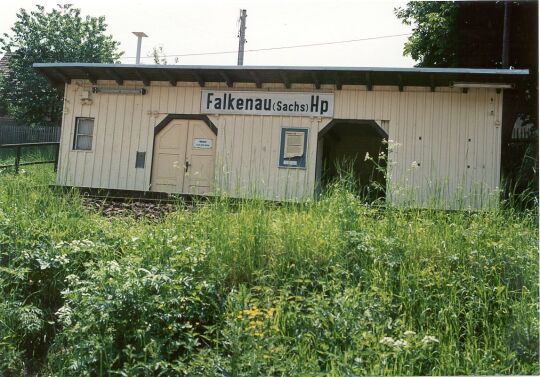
506, 36
242, 36
140, 36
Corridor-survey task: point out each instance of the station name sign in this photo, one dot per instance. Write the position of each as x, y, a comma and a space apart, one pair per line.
267, 103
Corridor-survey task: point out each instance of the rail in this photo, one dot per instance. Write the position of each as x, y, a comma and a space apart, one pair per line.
18, 154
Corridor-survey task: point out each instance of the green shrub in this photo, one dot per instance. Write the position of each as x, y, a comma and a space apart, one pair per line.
129, 317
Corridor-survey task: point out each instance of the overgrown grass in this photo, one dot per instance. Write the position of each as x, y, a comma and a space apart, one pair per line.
252, 288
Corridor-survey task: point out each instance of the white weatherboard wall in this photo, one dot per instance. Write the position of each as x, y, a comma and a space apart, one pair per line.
454, 136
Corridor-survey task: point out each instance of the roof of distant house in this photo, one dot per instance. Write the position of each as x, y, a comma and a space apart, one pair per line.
4, 62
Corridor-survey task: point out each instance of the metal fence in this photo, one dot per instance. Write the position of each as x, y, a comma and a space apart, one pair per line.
14, 134
522, 134
18, 156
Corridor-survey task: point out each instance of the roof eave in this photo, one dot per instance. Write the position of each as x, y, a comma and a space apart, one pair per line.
431, 77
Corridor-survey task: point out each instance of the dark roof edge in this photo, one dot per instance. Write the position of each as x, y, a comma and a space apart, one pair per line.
510, 72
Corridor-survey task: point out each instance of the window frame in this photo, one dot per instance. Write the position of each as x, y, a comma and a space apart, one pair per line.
301, 162
76, 134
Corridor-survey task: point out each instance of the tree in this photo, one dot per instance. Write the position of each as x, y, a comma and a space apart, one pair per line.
60, 35
432, 44
159, 56
470, 34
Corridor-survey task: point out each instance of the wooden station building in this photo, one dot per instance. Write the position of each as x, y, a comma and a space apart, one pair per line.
281, 133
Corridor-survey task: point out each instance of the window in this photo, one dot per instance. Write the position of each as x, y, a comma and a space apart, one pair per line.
139, 160
84, 130
292, 153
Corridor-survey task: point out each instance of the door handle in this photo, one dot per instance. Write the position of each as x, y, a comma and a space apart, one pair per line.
186, 166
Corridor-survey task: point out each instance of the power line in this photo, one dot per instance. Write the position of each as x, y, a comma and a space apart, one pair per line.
278, 48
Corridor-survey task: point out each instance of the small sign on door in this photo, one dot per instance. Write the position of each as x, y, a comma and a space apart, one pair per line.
202, 143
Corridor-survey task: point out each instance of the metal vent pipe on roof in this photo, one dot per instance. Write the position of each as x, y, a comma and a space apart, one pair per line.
140, 36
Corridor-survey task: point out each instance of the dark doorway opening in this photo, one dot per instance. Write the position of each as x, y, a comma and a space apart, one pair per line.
355, 151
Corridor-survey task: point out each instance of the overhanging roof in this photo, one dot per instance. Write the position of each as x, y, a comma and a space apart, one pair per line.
60, 73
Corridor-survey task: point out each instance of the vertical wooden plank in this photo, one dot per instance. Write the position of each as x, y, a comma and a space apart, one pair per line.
453, 148
369, 108
222, 169
399, 141
476, 165
470, 155
109, 145
338, 104
196, 99
268, 157
171, 104
438, 118
490, 115
159, 103
379, 104
91, 111
146, 126
127, 155
133, 142
116, 148
463, 143
102, 110
68, 120
497, 143
424, 119
354, 109
392, 135
245, 165
256, 176
273, 182
411, 144
234, 123
309, 182
193, 101
182, 93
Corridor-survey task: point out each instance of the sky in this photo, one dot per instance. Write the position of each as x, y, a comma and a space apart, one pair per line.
184, 27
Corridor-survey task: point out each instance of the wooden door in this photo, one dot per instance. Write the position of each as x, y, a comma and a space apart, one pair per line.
200, 157
184, 154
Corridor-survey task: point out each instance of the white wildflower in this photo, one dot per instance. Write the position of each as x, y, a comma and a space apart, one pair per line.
64, 315
401, 343
428, 339
409, 333
388, 341
114, 266
367, 157
62, 259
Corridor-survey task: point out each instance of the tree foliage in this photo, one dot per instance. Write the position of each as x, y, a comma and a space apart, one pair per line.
431, 43
60, 35
470, 33
159, 57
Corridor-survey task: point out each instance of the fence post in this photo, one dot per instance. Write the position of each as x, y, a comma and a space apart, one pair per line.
56, 157
17, 158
